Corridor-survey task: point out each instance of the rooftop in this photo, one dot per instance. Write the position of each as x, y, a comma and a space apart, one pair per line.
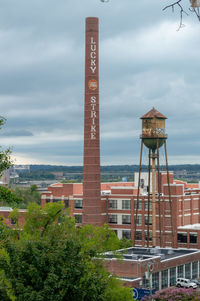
153, 113
190, 227
138, 254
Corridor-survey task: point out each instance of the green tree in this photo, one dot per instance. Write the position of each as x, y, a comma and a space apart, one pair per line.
98, 239
52, 259
5, 158
28, 195
9, 197
125, 243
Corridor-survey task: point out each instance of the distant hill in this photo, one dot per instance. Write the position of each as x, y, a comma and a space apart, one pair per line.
112, 168
189, 172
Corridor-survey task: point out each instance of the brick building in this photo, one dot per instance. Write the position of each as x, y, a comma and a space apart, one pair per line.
118, 205
164, 266
5, 214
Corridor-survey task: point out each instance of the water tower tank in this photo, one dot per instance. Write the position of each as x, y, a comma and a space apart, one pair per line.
153, 129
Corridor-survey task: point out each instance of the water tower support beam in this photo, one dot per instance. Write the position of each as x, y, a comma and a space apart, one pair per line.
153, 199
149, 191
170, 200
159, 205
138, 193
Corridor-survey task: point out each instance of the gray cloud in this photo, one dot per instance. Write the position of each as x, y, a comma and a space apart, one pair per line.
144, 62
17, 133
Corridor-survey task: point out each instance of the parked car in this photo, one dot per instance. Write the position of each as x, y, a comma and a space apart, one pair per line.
195, 281
183, 282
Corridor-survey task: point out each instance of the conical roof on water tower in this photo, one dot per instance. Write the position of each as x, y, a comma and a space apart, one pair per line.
153, 129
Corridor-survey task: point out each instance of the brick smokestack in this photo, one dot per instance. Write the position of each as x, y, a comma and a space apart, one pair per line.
92, 211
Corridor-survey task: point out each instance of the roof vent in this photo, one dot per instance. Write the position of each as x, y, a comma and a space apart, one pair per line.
154, 251
162, 256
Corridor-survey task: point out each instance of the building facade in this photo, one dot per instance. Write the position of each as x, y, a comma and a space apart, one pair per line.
118, 205
155, 267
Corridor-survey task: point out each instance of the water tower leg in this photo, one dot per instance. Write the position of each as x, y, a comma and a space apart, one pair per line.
149, 191
170, 200
153, 200
159, 192
138, 192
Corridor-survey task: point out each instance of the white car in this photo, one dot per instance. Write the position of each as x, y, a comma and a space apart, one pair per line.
182, 282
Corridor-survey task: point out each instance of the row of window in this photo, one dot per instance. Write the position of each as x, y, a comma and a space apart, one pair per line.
126, 204
183, 238
113, 204
126, 219
138, 235
168, 277
58, 200
140, 205
113, 219
125, 233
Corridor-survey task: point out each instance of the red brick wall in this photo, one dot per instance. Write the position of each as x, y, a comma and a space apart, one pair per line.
21, 221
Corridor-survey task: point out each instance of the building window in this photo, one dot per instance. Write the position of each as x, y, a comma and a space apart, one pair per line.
126, 204
139, 219
56, 200
182, 237
47, 200
112, 219
78, 218
78, 204
126, 219
193, 238
172, 276
194, 269
188, 270
66, 203
112, 204
142, 183
146, 220
146, 205
13, 221
146, 235
180, 271
139, 205
155, 281
138, 235
145, 282
164, 276
116, 232
126, 234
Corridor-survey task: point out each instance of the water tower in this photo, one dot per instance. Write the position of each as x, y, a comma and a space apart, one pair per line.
153, 137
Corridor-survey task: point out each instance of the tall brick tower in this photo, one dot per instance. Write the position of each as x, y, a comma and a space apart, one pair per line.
92, 209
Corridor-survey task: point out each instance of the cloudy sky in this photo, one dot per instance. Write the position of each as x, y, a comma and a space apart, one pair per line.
144, 62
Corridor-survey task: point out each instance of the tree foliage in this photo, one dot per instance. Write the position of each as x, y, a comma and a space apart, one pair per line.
28, 195
5, 158
9, 197
52, 259
19, 197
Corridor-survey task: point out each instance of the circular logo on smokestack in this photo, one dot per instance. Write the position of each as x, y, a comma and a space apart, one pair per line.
92, 84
